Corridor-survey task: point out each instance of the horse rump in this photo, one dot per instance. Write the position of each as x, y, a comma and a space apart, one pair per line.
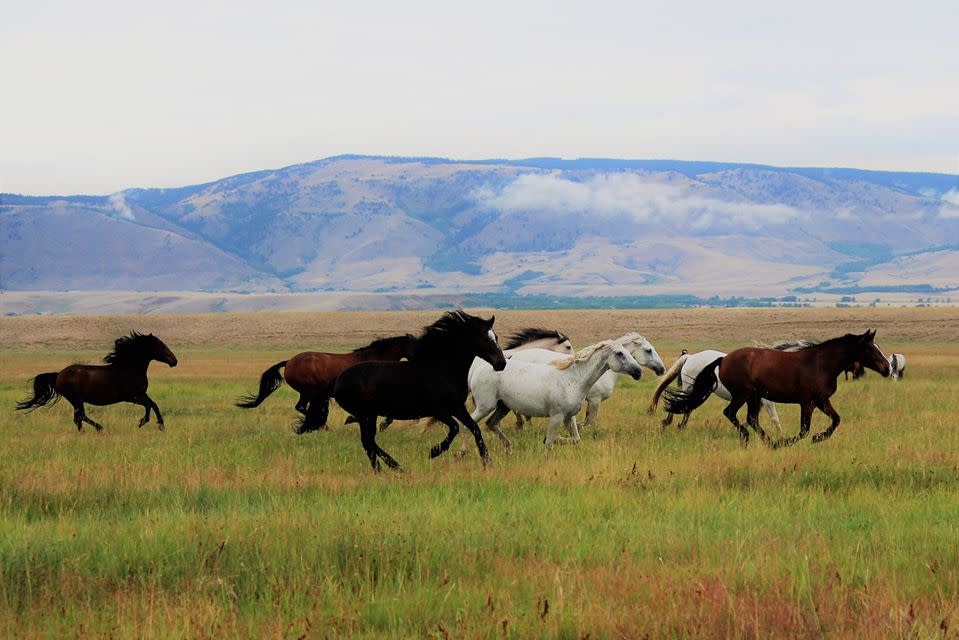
44, 392
686, 401
270, 381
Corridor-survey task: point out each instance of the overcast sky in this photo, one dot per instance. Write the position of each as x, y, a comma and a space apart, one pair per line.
102, 96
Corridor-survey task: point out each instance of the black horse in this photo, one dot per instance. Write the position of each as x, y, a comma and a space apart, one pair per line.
433, 384
122, 379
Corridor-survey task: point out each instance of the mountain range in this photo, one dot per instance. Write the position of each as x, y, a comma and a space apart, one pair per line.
596, 227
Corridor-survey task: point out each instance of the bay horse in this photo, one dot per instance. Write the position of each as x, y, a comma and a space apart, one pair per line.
122, 379
807, 376
431, 384
311, 373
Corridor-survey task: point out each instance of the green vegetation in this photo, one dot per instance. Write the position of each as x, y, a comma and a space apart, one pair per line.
227, 524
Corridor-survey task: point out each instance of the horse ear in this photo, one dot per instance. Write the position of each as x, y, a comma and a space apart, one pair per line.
491, 320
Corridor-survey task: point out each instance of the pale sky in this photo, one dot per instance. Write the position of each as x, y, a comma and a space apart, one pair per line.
100, 96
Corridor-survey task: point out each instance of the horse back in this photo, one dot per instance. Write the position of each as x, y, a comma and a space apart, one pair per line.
315, 368
98, 384
779, 376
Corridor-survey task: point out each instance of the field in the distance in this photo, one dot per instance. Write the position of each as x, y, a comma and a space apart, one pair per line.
228, 524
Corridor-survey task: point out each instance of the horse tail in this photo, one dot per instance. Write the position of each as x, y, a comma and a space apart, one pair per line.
671, 374
270, 381
44, 392
317, 412
703, 386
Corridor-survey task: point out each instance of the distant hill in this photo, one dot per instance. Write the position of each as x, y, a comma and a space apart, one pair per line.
595, 227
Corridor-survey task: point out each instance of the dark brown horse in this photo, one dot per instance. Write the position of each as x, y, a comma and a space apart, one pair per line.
310, 374
122, 379
806, 377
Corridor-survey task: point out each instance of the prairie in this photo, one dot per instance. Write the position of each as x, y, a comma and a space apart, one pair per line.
228, 524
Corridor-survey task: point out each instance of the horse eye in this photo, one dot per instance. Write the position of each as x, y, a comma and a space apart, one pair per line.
648, 350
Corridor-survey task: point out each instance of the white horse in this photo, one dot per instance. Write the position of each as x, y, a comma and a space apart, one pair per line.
897, 366
639, 347
686, 368
555, 390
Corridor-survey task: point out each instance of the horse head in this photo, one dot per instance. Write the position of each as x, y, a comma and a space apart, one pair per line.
487, 346
621, 360
870, 356
643, 352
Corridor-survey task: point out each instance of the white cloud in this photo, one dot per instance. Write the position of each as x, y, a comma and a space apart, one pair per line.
951, 207
627, 194
119, 204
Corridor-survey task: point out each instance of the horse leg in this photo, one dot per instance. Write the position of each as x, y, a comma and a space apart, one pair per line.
770, 408
554, 422
78, 415
570, 422
752, 417
682, 423
826, 407
730, 412
302, 404
464, 416
368, 439
493, 423
315, 417
667, 421
454, 429
146, 401
520, 421
592, 410
805, 419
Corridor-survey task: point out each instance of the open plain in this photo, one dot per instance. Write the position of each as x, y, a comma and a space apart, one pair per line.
229, 524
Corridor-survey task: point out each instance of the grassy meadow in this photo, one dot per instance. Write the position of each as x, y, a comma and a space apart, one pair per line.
227, 524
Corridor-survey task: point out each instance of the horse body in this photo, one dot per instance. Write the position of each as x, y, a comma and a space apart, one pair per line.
431, 384
806, 376
602, 390
555, 390
122, 379
310, 373
685, 370
897, 365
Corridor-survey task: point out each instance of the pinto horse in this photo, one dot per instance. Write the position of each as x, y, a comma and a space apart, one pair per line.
122, 379
806, 376
311, 373
432, 384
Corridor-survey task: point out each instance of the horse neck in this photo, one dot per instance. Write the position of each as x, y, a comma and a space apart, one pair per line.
133, 366
591, 369
454, 363
838, 357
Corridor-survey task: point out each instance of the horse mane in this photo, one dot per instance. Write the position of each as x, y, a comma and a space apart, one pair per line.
803, 345
583, 354
788, 345
131, 347
532, 334
437, 337
382, 343
630, 338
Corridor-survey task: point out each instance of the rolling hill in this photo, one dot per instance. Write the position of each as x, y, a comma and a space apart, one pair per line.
429, 226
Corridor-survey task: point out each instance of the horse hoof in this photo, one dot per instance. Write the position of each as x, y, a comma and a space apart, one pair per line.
161, 426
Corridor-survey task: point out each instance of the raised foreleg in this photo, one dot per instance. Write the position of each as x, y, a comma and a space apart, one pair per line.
730, 412
453, 429
147, 402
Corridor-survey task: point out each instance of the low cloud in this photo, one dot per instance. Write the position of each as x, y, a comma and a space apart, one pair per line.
628, 195
119, 204
951, 207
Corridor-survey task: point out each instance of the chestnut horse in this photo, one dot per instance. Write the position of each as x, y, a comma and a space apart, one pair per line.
311, 373
806, 376
122, 379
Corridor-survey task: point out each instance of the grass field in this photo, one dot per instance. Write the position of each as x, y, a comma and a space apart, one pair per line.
228, 524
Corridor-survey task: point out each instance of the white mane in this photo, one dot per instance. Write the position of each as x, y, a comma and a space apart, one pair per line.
584, 354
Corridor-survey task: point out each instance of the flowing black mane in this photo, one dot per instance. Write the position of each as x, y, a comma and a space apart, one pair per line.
133, 347
803, 345
385, 343
446, 333
531, 334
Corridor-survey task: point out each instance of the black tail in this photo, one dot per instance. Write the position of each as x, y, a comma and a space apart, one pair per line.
270, 381
43, 392
316, 413
687, 401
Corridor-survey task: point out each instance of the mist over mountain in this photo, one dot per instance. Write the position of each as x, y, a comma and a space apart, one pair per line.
536, 226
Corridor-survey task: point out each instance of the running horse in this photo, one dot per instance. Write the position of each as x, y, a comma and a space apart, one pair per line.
122, 379
312, 372
432, 384
807, 376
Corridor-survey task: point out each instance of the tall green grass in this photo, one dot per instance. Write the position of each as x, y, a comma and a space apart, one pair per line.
228, 524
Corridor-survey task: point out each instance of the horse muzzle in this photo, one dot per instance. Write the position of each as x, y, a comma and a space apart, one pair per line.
499, 365
637, 374
172, 362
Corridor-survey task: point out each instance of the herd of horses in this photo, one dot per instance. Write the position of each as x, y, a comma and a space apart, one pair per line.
537, 374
